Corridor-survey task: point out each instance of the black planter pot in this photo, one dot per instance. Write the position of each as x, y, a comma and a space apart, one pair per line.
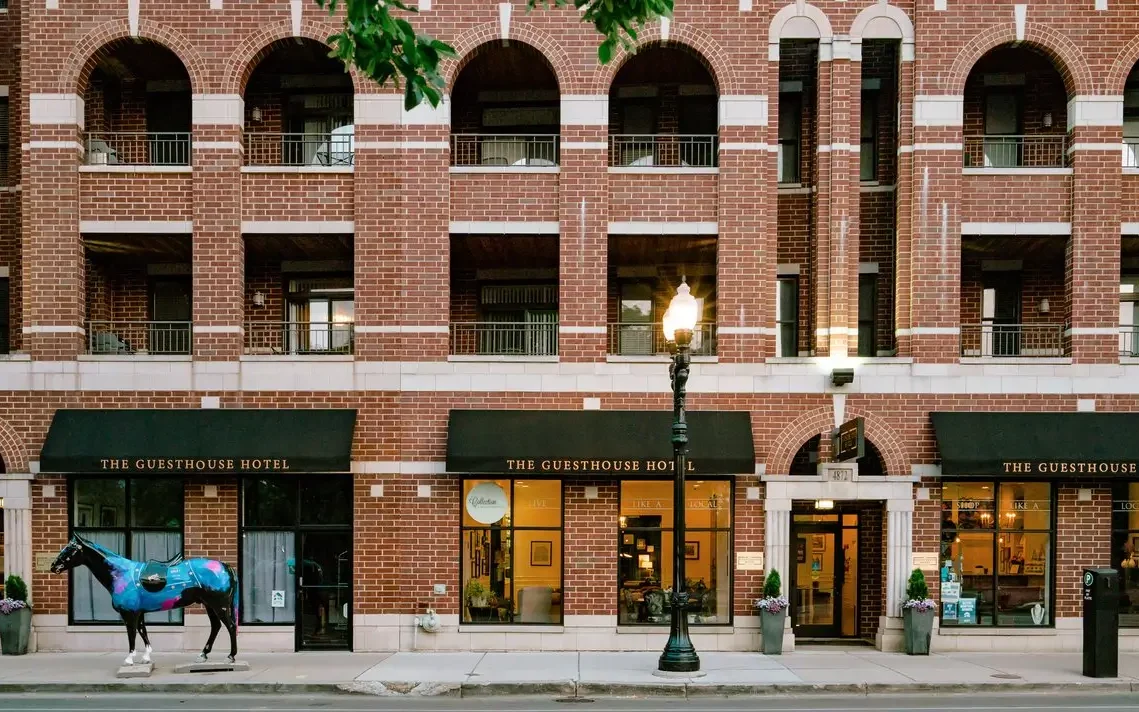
15, 631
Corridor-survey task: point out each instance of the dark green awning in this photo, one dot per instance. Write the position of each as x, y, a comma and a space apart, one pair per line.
205, 441
591, 442
1034, 445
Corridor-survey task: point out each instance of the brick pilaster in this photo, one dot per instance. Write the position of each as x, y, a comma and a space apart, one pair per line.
590, 534
823, 229
1093, 256
904, 211
583, 246
843, 196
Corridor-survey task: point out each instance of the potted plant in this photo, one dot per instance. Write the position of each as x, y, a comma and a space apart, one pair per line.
917, 615
477, 600
772, 614
15, 617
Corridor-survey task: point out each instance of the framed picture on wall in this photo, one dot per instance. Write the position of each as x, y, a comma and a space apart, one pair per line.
691, 550
818, 542
801, 551
628, 539
108, 516
541, 553
83, 516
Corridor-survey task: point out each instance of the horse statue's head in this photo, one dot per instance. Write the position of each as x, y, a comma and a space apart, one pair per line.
70, 556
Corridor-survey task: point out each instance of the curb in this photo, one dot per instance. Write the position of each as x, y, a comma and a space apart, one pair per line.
567, 688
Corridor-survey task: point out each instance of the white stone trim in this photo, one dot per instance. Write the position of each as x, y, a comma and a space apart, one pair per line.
663, 228
215, 4
1011, 228
1017, 171
747, 330
582, 330
292, 227
505, 169
507, 227
585, 109
55, 110
1093, 146
1129, 228
666, 170
798, 20
217, 110
403, 329
930, 331
132, 17
875, 188
743, 110
931, 147
839, 147
1020, 17
584, 146
387, 110
1097, 110
217, 146
136, 227
52, 145
398, 467
295, 15
3, 90
134, 169
939, 110
218, 329
748, 146
787, 270
297, 169
53, 329
402, 146
867, 268
1092, 331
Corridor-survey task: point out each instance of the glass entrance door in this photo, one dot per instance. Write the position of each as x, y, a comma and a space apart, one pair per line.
816, 608
324, 590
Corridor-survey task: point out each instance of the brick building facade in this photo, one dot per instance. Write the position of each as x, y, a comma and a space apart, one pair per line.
199, 211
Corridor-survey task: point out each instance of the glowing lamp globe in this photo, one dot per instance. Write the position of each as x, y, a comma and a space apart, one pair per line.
684, 310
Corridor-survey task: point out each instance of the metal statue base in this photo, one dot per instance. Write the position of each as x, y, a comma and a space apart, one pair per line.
678, 675
136, 670
212, 666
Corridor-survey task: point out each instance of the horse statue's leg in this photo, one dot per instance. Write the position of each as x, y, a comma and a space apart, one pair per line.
215, 626
231, 626
131, 619
145, 637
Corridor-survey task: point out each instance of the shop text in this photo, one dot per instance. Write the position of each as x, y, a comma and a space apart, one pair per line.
592, 466
194, 465
1071, 468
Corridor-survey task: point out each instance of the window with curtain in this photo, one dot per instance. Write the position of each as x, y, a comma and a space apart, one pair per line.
867, 314
321, 314
511, 541
645, 552
1125, 549
787, 316
137, 518
997, 547
268, 537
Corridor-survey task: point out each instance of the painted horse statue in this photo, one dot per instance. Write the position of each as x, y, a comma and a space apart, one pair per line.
138, 587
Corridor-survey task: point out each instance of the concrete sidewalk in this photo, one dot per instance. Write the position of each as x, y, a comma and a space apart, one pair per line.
597, 674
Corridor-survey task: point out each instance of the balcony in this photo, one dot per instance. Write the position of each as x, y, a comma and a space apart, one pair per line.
528, 150
687, 151
1035, 151
640, 339
1012, 340
1130, 152
137, 148
139, 338
299, 338
490, 338
335, 148
1129, 341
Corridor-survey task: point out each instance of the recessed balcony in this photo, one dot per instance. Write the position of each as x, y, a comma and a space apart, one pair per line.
663, 151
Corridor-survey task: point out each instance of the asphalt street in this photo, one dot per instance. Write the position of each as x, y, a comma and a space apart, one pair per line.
1007, 702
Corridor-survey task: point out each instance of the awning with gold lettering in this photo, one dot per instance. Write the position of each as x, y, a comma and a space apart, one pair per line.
205, 441
608, 443
1038, 445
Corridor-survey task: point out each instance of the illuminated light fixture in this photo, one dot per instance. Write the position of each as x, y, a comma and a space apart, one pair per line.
824, 504
1047, 119
1045, 307
258, 299
682, 313
257, 113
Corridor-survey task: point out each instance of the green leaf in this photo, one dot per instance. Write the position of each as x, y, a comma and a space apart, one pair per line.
605, 52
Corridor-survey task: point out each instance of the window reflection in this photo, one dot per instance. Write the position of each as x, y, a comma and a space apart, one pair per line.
1125, 549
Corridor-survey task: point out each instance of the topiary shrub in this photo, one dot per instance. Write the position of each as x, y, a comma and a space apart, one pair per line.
15, 589
773, 585
916, 589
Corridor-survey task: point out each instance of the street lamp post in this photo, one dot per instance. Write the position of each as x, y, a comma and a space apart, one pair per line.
679, 654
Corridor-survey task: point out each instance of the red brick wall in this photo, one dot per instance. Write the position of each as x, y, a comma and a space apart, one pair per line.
509, 196
662, 198
590, 547
296, 196
136, 196
993, 198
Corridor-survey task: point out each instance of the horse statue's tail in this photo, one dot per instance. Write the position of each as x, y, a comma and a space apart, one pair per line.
236, 598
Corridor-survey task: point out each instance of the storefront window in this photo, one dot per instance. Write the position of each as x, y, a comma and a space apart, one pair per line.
645, 551
268, 543
1125, 550
139, 519
997, 543
512, 551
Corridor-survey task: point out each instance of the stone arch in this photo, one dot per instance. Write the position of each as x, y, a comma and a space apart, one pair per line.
243, 61
1125, 61
702, 45
1065, 56
882, 20
101, 41
799, 21
821, 420
475, 40
13, 454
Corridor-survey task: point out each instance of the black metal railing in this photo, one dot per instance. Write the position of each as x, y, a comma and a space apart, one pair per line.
1129, 341
647, 339
1016, 340
138, 338
501, 150
137, 148
493, 338
695, 151
299, 338
331, 149
1034, 151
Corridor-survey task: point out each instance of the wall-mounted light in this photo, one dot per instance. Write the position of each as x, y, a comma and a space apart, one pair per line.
257, 113
842, 376
824, 504
1045, 307
1048, 119
258, 299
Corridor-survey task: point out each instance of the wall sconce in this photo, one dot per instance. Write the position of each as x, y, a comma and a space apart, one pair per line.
1047, 119
1045, 307
824, 504
258, 299
842, 376
257, 113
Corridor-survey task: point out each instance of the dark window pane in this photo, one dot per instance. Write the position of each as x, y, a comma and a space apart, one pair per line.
156, 503
100, 503
270, 503
327, 500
